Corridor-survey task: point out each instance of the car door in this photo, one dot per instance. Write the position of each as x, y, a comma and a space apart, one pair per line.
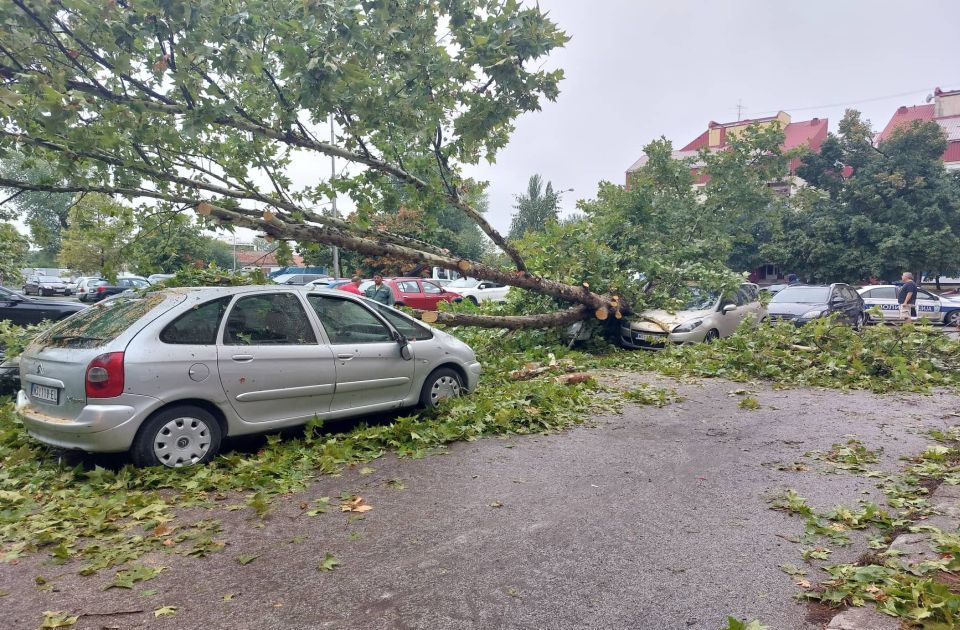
409, 294
371, 373
851, 303
928, 306
886, 299
272, 367
433, 293
487, 290
16, 309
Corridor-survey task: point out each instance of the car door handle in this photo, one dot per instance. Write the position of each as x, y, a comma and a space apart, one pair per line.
346, 356
242, 358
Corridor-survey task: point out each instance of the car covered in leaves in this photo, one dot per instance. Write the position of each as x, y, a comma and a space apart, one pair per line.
166, 376
938, 309
803, 303
706, 316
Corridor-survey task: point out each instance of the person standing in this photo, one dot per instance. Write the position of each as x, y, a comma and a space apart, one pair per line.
907, 297
353, 286
379, 292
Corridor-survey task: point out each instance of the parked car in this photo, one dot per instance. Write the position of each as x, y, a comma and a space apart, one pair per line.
298, 278
103, 289
416, 292
23, 310
479, 290
326, 283
804, 303
158, 277
706, 316
45, 285
936, 308
167, 375
84, 285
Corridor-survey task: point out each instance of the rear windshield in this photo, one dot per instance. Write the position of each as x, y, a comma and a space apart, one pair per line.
100, 324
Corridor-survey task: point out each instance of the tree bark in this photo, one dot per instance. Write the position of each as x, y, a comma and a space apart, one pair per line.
511, 322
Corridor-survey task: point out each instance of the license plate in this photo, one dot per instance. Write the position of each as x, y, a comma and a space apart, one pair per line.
647, 338
44, 393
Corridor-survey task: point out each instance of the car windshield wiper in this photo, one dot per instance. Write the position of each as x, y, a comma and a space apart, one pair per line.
82, 337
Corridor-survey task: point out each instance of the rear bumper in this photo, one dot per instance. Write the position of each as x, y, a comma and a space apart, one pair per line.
97, 429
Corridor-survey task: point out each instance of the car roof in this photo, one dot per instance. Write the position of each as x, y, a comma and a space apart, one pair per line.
215, 292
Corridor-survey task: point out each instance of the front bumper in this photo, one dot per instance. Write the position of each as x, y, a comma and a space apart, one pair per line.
650, 340
97, 429
473, 375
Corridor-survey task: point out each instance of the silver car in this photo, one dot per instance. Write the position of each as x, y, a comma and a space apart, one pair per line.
168, 375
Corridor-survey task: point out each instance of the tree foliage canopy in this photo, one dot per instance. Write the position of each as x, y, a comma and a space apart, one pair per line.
535, 208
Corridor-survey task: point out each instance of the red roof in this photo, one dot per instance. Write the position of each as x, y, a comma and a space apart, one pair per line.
906, 115
701, 141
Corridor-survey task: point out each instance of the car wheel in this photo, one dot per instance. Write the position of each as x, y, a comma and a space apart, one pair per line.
859, 322
442, 383
712, 335
180, 436
953, 319
473, 299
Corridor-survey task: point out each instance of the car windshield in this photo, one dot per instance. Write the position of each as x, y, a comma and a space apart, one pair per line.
463, 283
700, 299
49, 279
803, 295
99, 324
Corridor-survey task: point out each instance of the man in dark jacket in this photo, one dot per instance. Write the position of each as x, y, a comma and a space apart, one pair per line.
379, 291
907, 297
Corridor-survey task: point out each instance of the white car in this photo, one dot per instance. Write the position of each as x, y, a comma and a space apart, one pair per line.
479, 290
937, 309
705, 317
159, 277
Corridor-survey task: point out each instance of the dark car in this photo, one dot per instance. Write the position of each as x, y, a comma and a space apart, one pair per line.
22, 310
45, 285
103, 289
804, 303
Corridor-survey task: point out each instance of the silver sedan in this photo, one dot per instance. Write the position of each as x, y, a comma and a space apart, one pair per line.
168, 375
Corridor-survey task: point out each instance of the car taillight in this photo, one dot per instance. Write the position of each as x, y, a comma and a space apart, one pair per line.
101, 289
105, 376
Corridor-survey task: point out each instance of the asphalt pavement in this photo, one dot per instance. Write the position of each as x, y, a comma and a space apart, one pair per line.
656, 518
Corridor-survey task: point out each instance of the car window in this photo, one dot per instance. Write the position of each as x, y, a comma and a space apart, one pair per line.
268, 319
198, 326
883, 293
412, 330
408, 286
346, 321
429, 287
743, 296
923, 295
802, 295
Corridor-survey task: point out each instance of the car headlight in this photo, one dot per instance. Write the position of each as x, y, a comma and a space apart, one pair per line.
813, 313
690, 326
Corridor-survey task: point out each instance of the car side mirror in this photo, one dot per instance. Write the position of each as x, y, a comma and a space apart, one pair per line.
729, 308
404, 344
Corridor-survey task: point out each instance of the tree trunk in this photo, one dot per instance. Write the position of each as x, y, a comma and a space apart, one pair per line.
511, 322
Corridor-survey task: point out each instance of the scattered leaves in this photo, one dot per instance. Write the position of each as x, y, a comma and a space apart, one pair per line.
329, 562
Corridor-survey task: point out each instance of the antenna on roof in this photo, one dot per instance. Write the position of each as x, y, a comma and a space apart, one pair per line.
740, 109
929, 98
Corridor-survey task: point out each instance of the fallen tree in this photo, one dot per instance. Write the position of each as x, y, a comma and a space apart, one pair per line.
209, 107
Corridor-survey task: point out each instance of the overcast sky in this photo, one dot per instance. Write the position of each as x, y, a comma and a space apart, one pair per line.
638, 69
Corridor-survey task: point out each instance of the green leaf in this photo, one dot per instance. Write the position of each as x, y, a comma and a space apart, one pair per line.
165, 611
329, 562
246, 559
57, 619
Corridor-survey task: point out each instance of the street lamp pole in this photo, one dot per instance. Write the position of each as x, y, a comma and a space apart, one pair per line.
333, 175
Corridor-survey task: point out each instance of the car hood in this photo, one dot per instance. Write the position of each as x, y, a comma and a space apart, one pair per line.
659, 320
775, 309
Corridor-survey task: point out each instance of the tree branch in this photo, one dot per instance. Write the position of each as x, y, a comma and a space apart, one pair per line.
511, 322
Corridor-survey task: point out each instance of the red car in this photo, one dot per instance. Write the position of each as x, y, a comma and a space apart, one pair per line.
416, 293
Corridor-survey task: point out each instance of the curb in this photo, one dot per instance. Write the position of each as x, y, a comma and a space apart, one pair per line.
914, 548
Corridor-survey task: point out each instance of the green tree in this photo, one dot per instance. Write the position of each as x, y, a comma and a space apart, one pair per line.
13, 254
896, 210
97, 233
44, 213
535, 208
166, 242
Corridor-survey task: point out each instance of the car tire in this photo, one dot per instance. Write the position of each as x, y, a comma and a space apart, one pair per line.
473, 299
712, 335
442, 383
952, 319
177, 437
859, 322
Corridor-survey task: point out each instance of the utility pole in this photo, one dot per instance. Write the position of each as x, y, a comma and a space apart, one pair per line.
333, 209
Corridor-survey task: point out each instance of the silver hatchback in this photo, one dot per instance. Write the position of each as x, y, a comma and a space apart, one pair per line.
167, 376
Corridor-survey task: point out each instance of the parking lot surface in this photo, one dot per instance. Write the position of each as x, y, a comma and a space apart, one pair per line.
656, 518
